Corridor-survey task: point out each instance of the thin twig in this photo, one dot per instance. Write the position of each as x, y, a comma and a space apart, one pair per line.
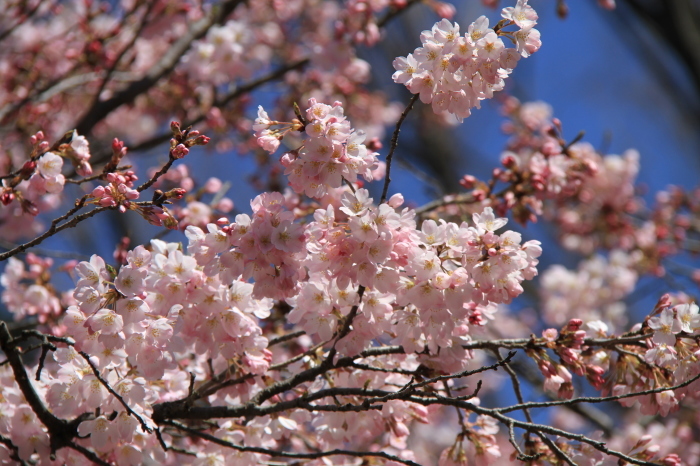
556, 450
516, 384
592, 399
285, 454
89, 454
55, 228
522, 456
283, 338
392, 147
155, 73
109, 388
163, 170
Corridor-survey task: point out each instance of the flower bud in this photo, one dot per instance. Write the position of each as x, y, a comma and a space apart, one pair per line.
179, 151
467, 181
7, 197
27, 169
201, 140
84, 168
225, 205
176, 193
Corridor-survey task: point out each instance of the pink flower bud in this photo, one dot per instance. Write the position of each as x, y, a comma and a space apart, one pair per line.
509, 161
39, 136
202, 140
444, 10
225, 205
7, 197
117, 145
374, 144
179, 151
673, 459
27, 169
467, 181
84, 168
574, 325
178, 193
213, 185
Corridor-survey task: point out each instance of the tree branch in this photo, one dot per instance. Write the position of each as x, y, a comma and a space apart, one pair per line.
284, 454
165, 66
394, 144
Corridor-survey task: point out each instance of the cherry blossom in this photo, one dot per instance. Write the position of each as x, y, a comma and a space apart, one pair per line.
324, 323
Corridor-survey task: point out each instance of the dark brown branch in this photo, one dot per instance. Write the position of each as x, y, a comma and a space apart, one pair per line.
109, 388
593, 399
283, 338
522, 456
14, 451
167, 447
556, 450
89, 454
61, 432
393, 145
529, 426
181, 409
161, 69
127, 47
25, 16
284, 454
163, 170
55, 228
596, 416
95, 177
524, 343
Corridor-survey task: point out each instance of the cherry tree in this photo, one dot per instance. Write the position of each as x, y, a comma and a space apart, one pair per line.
331, 321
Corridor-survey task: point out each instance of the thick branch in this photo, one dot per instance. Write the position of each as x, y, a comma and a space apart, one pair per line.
161, 69
61, 432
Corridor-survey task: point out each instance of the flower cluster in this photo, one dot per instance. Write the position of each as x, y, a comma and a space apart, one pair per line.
38, 182
134, 326
433, 283
27, 290
454, 73
266, 248
119, 191
595, 291
319, 326
333, 151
